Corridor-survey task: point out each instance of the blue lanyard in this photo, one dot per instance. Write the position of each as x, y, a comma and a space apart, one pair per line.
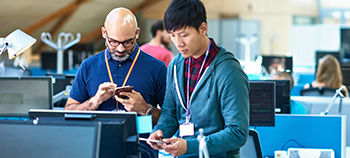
195, 84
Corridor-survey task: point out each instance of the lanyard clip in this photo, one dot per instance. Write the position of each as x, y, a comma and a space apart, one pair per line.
187, 119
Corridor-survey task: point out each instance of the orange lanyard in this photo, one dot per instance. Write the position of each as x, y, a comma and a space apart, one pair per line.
130, 69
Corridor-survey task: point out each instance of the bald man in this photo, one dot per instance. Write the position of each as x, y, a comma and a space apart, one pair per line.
122, 63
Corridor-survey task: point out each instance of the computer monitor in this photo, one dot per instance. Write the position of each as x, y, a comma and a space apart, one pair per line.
345, 41
285, 61
346, 75
282, 96
262, 103
62, 84
19, 94
61, 81
119, 133
49, 60
49, 139
72, 58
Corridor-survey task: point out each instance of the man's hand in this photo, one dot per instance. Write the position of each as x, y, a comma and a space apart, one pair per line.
135, 102
175, 146
157, 135
105, 91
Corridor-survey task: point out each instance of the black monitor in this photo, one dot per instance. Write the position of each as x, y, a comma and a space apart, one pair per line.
345, 42
262, 103
286, 61
19, 94
62, 84
49, 60
72, 58
119, 133
49, 139
282, 96
346, 75
61, 81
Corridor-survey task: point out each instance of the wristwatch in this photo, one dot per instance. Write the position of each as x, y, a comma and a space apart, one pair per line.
150, 110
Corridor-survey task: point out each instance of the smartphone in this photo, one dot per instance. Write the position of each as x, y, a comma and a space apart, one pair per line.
122, 89
151, 140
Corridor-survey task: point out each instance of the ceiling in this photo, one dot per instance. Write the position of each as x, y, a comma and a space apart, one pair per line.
78, 16
55, 16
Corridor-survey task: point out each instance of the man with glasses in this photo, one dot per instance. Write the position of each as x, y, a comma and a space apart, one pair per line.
122, 63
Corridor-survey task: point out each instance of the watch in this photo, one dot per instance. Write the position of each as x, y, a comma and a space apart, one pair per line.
150, 110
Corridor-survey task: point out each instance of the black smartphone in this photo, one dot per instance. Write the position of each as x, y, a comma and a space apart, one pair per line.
122, 89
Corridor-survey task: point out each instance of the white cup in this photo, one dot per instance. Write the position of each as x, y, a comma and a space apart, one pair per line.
280, 154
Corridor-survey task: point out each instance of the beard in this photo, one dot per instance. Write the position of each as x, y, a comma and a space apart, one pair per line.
122, 57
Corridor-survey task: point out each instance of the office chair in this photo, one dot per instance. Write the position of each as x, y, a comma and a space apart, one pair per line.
306, 105
252, 148
318, 91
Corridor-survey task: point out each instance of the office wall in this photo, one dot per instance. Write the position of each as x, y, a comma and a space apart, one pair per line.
275, 17
315, 37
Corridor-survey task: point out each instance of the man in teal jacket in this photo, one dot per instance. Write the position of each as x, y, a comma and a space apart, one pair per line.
206, 88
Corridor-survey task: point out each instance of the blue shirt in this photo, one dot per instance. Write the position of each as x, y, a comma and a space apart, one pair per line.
297, 108
147, 77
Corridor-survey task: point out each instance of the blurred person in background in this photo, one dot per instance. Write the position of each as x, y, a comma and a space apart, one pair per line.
157, 46
328, 75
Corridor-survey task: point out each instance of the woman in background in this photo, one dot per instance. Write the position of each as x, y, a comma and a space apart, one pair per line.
328, 74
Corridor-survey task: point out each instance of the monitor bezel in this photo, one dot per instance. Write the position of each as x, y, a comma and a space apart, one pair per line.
286, 109
111, 120
35, 123
48, 79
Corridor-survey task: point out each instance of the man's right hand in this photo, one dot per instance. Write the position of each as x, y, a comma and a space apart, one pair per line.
157, 135
104, 92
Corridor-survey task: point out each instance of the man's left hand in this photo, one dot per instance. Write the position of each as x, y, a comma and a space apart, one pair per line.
135, 102
175, 146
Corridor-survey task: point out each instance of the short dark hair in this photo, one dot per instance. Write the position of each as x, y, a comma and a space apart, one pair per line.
158, 25
184, 13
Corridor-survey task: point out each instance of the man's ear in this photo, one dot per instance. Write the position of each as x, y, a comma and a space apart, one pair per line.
103, 32
159, 32
203, 29
137, 32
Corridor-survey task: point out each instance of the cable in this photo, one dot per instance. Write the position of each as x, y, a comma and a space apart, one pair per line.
291, 140
147, 151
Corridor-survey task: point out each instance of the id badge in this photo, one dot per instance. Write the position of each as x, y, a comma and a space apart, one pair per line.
187, 129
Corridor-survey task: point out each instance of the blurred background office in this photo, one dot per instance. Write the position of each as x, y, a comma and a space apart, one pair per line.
267, 36
302, 30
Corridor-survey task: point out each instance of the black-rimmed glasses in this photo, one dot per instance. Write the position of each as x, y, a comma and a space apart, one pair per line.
114, 43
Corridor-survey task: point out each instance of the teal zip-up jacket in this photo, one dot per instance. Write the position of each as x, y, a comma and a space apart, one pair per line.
219, 105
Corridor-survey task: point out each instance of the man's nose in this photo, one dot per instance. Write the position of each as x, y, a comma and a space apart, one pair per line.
120, 48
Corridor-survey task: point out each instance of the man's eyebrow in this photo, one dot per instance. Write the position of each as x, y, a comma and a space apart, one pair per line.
120, 41
173, 32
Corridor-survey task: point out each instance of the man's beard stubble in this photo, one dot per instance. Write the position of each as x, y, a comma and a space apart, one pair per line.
120, 58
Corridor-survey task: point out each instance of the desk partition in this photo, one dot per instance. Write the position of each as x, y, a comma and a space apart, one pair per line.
319, 104
304, 131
